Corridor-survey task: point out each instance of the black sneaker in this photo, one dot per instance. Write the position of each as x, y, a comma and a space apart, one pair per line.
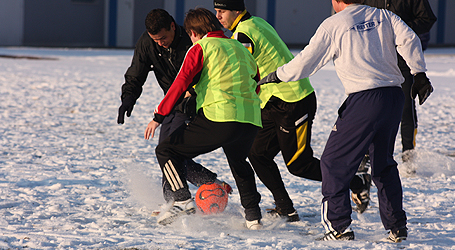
398, 235
361, 192
276, 212
347, 234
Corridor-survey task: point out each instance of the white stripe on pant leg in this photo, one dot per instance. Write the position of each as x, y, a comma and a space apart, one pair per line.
176, 175
324, 220
301, 120
169, 180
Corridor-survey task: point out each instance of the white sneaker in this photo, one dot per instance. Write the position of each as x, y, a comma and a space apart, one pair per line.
178, 209
253, 225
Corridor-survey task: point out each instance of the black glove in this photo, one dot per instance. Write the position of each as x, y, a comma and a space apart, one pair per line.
127, 106
272, 77
422, 87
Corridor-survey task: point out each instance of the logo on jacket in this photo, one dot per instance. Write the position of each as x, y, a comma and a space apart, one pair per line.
365, 26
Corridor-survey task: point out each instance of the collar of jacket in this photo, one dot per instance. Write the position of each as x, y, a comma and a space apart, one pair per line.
177, 36
242, 17
216, 33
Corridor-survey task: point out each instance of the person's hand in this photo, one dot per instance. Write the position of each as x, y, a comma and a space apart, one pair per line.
150, 130
126, 107
272, 77
187, 94
421, 87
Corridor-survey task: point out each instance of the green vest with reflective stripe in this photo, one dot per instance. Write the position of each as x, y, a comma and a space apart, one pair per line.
270, 52
226, 90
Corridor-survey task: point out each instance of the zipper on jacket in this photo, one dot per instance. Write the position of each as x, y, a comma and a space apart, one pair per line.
170, 59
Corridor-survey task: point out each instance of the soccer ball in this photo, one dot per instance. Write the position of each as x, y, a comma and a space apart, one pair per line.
211, 198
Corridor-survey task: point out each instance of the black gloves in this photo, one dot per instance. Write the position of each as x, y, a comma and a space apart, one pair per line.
127, 106
422, 87
272, 77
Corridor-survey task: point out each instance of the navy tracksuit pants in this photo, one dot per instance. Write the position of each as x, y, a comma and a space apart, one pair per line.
368, 120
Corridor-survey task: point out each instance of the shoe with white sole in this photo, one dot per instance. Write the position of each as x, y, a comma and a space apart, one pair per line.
398, 235
346, 234
179, 208
253, 225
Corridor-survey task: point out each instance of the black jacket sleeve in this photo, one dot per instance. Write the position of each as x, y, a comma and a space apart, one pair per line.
423, 17
417, 14
137, 73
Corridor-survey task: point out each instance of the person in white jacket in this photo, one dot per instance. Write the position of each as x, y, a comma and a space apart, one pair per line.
362, 43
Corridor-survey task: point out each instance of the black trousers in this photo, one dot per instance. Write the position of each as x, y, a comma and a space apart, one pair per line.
409, 116
286, 128
203, 136
195, 173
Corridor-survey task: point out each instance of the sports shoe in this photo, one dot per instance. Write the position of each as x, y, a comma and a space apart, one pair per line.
253, 225
398, 235
347, 234
178, 209
361, 194
225, 185
276, 212
365, 164
408, 157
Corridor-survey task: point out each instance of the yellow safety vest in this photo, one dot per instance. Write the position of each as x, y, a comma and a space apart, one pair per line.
226, 89
270, 52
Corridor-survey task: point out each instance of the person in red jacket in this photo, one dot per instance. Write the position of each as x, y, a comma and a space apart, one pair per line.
224, 75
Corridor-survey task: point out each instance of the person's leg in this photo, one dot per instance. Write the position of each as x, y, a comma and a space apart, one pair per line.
350, 138
295, 121
180, 145
409, 116
236, 152
200, 137
167, 127
195, 173
384, 168
261, 156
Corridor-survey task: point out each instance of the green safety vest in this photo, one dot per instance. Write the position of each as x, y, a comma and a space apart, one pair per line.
226, 89
270, 53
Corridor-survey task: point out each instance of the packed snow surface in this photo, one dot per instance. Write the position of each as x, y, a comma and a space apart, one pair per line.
72, 178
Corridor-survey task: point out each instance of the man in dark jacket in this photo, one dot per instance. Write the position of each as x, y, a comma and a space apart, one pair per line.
417, 14
161, 49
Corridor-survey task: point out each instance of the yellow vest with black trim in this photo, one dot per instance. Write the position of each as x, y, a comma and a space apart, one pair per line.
270, 52
226, 90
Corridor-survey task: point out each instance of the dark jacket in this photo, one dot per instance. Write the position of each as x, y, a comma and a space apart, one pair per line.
149, 56
415, 13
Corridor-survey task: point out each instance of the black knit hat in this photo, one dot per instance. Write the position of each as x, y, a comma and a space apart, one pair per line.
229, 4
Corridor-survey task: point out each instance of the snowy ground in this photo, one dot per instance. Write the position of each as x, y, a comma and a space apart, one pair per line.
72, 178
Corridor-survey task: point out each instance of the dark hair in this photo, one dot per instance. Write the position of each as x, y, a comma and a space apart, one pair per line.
349, 1
201, 21
156, 20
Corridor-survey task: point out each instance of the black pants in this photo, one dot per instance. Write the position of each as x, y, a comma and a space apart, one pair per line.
203, 136
409, 117
195, 173
286, 128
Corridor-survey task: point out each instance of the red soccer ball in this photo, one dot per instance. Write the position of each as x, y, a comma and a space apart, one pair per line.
211, 198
